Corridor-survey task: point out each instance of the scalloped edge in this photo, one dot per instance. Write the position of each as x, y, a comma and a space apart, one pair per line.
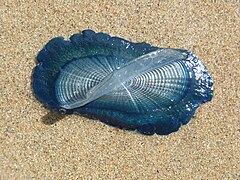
51, 52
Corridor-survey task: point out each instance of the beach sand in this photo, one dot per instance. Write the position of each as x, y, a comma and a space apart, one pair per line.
33, 145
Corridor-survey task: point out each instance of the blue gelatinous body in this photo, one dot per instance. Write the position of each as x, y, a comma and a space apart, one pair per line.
124, 84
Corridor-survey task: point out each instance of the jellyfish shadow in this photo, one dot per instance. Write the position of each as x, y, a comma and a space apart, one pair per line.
52, 117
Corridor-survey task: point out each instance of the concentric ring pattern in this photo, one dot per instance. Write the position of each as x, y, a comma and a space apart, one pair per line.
156, 89
129, 85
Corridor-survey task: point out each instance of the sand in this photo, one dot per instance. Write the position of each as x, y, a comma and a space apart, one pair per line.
33, 145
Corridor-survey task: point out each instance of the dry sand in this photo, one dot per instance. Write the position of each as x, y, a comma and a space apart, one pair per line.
77, 147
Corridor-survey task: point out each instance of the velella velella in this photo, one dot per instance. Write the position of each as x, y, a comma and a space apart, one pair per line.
134, 86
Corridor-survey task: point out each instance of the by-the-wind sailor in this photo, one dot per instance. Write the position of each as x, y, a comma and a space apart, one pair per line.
124, 84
